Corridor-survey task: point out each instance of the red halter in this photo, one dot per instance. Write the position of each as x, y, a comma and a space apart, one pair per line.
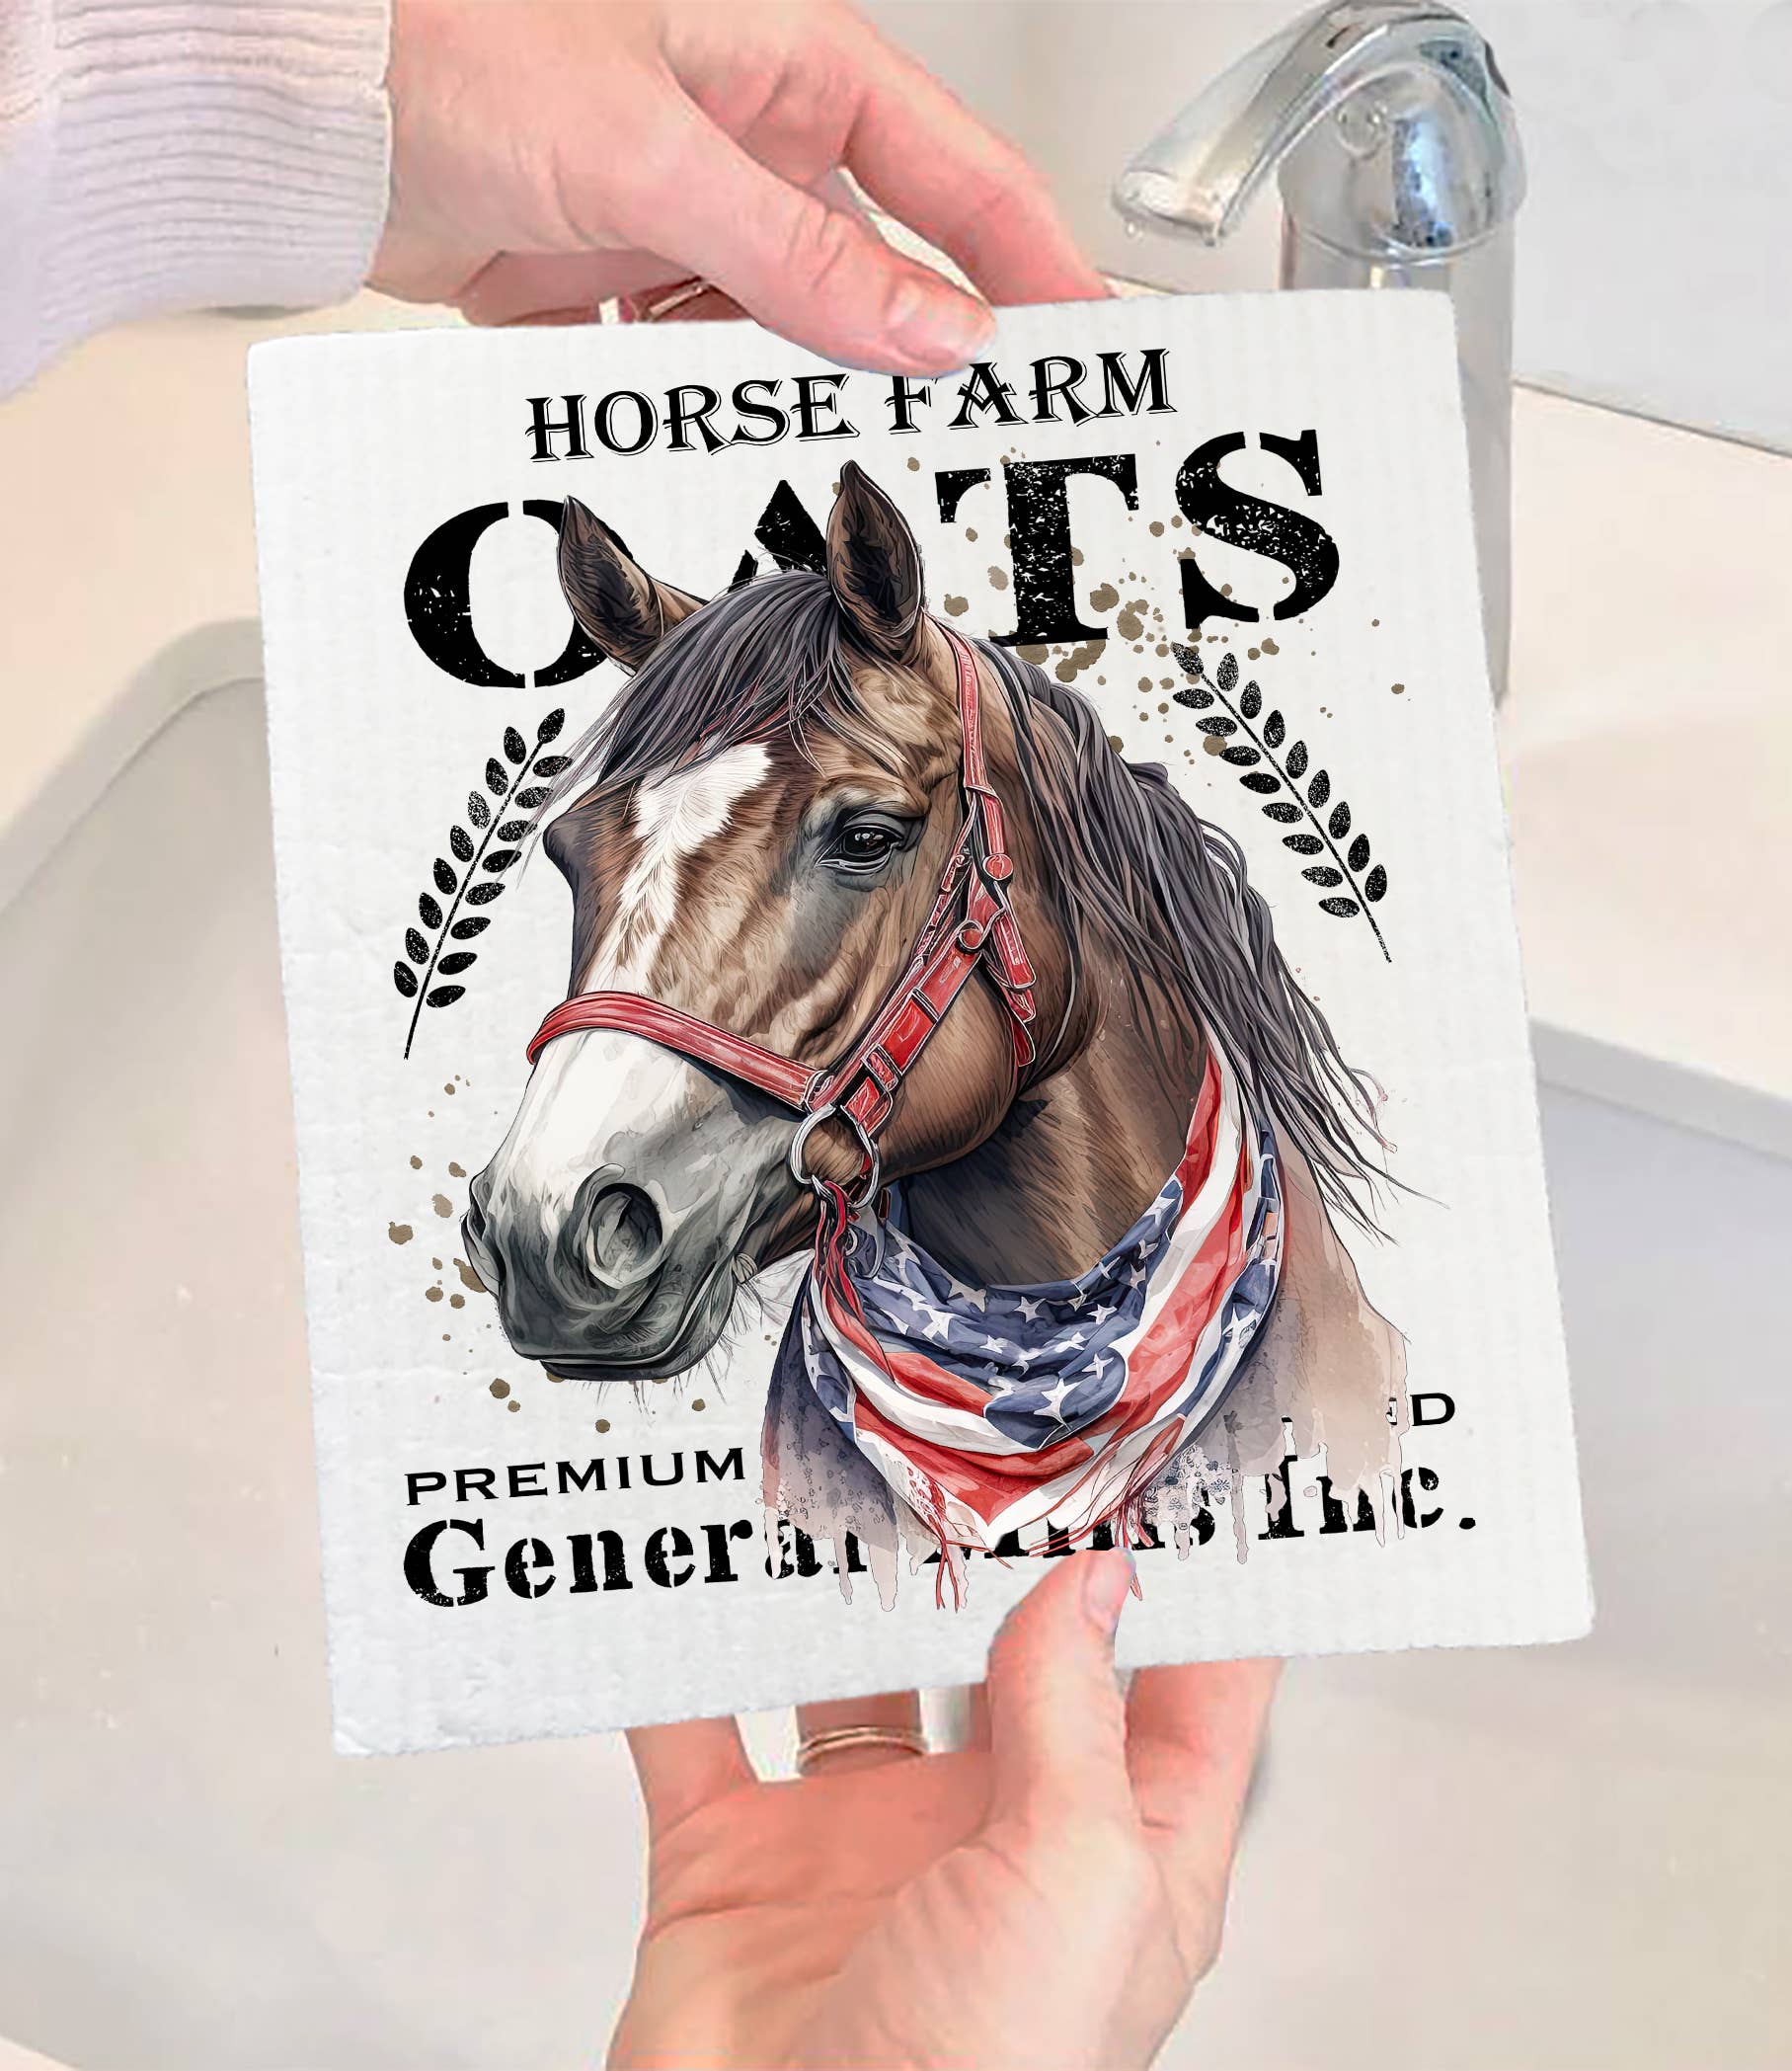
972, 924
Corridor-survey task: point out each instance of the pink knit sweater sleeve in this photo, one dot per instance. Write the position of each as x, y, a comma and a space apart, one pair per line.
175, 154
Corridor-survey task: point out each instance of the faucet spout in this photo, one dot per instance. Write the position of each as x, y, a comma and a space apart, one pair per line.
1391, 132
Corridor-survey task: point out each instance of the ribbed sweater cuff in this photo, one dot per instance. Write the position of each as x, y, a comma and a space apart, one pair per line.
187, 153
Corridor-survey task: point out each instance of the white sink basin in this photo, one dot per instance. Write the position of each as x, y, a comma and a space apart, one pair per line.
1572, 1856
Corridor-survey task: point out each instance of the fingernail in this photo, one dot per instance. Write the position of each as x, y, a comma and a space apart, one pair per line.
1106, 1583
936, 328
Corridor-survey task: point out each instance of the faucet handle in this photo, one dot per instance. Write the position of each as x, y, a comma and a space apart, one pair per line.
1422, 156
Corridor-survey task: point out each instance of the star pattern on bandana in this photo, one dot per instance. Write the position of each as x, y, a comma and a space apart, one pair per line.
904, 1349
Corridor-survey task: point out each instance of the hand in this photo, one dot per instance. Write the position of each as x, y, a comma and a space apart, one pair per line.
550, 153
1051, 1895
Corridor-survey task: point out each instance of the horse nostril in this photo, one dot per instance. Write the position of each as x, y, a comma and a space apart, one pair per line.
624, 1238
484, 1258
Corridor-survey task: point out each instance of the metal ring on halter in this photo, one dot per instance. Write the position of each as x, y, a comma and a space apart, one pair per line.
800, 1143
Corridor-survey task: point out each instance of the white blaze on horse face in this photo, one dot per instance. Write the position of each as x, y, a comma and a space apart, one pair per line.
598, 1088
592, 1094
673, 816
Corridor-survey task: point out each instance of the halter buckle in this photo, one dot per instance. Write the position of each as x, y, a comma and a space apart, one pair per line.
870, 1179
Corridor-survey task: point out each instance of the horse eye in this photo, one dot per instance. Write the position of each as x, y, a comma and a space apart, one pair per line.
864, 846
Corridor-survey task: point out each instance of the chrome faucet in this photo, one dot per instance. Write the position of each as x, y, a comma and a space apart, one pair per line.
1399, 165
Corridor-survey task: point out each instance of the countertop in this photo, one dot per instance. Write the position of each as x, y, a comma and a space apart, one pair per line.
1648, 751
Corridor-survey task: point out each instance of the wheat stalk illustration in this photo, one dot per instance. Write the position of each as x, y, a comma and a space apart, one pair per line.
1265, 769
461, 882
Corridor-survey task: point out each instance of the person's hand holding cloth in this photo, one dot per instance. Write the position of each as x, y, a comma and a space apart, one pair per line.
550, 154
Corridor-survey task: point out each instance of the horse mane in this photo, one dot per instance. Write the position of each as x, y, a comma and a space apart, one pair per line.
765, 656
1165, 888
1169, 891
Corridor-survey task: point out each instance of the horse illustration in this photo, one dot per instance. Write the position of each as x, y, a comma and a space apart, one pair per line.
883, 952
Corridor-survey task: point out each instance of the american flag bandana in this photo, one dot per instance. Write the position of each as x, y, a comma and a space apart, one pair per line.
991, 1409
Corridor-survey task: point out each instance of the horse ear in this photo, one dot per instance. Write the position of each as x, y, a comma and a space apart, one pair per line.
617, 603
873, 565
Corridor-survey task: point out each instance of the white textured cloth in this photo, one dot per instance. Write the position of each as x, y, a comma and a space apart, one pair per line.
171, 155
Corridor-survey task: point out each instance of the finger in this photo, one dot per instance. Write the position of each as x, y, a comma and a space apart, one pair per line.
923, 157
525, 287
898, 1712
1057, 1724
817, 274
684, 1768
569, 288
688, 301
697, 301
977, 1733
1194, 1736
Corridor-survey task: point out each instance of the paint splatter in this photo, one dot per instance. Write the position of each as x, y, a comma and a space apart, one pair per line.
400, 1232
442, 1206
469, 1279
1079, 659
456, 1171
417, 1164
432, 1294
957, 606
1399, 689
501, 1389
998, 579
1104, 598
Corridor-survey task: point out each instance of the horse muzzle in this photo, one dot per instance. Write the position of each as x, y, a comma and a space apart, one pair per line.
608, 1287
623, 1285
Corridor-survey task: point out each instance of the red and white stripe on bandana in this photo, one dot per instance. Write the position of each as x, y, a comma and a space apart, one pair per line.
992, 1409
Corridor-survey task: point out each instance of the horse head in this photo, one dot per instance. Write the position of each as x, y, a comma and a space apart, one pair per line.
756, 835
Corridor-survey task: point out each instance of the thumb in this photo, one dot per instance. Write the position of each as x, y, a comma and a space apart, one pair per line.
1058, 1722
